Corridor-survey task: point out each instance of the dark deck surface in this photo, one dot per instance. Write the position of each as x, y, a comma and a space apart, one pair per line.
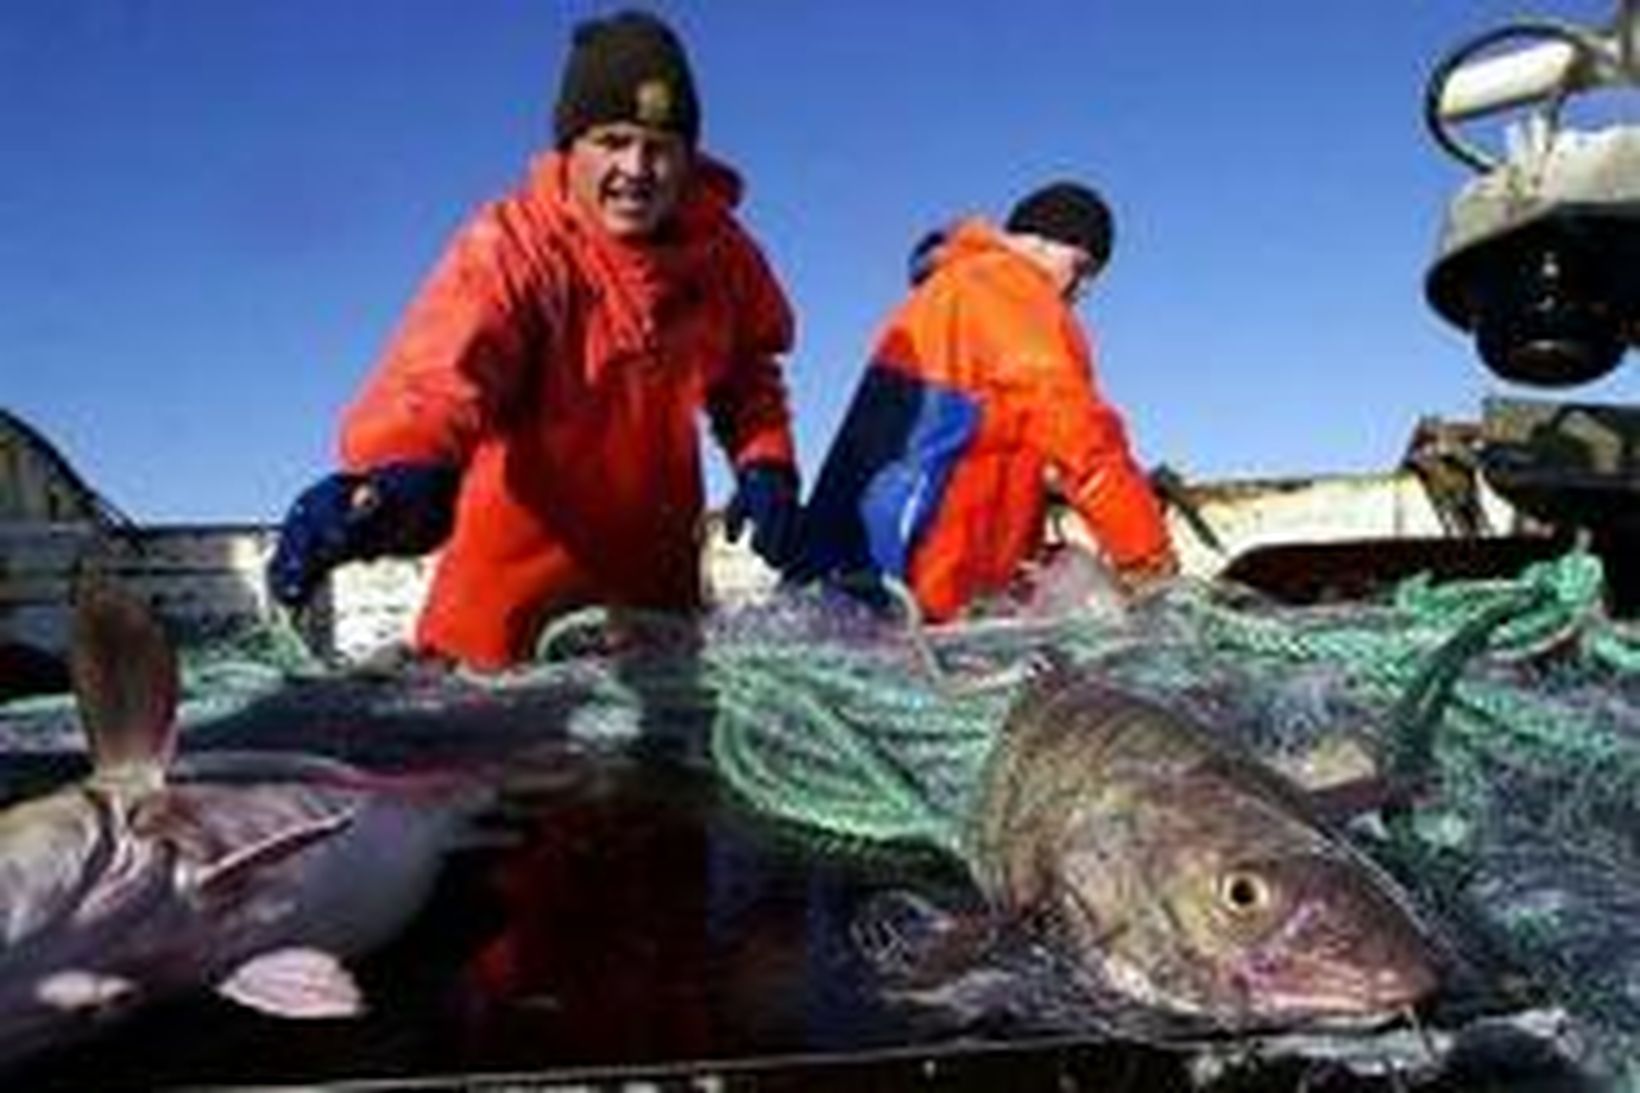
640, 933
640, 930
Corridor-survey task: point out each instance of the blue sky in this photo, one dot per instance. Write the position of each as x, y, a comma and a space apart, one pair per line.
213, 211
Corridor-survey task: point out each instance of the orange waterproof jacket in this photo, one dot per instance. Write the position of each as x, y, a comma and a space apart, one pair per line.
987, 362
565, 370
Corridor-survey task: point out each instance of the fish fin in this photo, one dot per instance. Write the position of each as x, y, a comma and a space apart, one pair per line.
76, 990
125, 682
911, 940
221, 874
297, 983
1343, 801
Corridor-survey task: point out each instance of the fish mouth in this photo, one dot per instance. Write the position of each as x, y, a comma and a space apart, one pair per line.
634, 205
1366, 961
1343, 1003
1340, 996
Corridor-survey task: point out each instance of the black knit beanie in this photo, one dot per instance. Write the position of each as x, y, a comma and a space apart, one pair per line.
629, 67
1070, 213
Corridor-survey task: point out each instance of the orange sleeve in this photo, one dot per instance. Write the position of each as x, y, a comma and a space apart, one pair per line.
1083, 438
455, 362
750, 415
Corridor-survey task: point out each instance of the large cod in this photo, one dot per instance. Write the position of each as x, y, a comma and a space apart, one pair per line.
1182, 877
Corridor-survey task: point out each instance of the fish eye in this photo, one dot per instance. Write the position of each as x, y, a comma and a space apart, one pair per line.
1242, 892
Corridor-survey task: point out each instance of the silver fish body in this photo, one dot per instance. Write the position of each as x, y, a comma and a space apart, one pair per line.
111, 899
253, 874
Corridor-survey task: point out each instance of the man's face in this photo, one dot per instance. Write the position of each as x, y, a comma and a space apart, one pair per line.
628, 177
1071, 267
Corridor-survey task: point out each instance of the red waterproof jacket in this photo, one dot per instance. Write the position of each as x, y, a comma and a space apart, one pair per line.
989, 323
565, 369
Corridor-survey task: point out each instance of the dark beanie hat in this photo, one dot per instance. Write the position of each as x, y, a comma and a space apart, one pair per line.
629, 67
1069, 213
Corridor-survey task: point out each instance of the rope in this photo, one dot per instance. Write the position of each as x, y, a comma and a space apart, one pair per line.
1518, 699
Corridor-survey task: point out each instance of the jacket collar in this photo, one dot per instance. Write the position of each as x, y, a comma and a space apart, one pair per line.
713, 191
975, 237
633, 281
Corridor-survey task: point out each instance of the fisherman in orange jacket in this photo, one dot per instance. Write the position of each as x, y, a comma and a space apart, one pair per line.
538, 404
981, 384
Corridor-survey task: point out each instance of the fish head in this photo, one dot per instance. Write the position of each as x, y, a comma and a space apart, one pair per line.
1245, 937
1309, 936
1183, 877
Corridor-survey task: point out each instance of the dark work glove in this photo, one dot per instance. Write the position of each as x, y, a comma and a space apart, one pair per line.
766, 496
399, 509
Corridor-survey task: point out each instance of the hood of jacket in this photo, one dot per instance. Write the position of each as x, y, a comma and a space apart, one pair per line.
966, 240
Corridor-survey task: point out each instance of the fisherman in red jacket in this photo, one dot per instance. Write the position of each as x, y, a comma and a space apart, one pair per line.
538, 405
981, 385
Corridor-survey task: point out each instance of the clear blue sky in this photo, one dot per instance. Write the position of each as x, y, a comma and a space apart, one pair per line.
213, 211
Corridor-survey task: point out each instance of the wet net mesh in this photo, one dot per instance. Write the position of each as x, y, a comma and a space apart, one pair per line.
1512, 705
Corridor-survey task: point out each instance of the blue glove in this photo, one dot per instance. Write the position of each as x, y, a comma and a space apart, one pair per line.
766, 496
400, 509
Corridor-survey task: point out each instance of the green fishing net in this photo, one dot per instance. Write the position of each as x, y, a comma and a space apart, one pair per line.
1512, 705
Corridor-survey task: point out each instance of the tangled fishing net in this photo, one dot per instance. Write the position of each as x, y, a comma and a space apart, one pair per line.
1512, 703
1512, 707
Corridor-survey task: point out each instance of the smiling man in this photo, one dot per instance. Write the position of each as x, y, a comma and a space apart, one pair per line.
538, 405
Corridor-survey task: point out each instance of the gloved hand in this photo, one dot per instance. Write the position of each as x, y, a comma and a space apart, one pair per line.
1137, 578
399, 509
766, 495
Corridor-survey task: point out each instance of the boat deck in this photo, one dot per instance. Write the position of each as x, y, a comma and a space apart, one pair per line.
639, 934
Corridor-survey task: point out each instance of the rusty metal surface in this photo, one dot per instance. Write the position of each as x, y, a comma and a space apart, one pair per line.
1566, 462
1574, 466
